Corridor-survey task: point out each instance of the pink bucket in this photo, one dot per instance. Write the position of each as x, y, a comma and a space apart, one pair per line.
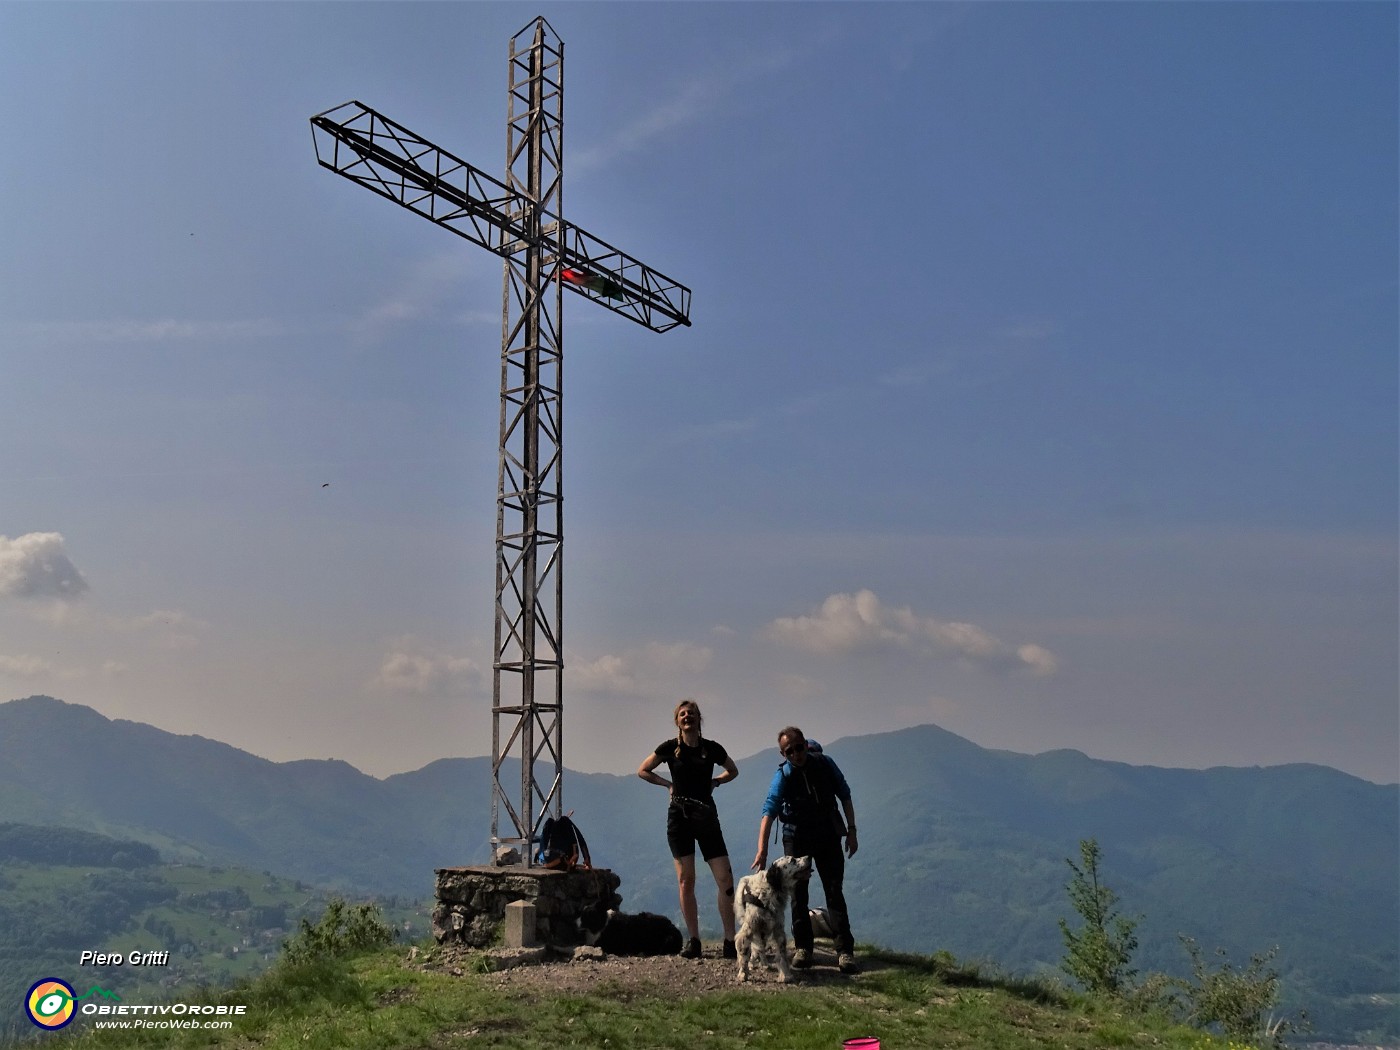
865, 1042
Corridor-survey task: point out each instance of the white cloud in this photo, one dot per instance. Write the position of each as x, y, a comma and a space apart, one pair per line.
847, 623
646, 671
410, 666
24, 666
35, 565
607, 674
36, 667
844, 623
1038, 660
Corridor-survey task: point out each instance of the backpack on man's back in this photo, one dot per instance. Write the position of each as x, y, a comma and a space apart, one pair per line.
786, 816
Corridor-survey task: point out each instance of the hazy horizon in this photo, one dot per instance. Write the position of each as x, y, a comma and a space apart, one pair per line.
740, 757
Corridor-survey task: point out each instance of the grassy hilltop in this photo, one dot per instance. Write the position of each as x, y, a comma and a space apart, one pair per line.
394, 998
343, 984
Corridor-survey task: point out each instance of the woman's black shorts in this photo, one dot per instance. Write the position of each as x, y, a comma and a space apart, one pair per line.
690, 821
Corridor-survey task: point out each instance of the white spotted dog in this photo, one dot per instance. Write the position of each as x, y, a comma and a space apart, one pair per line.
761, 906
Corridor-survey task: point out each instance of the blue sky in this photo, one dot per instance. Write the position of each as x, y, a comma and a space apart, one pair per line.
1042, 382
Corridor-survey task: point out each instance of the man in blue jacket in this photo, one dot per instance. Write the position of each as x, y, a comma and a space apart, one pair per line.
804, 796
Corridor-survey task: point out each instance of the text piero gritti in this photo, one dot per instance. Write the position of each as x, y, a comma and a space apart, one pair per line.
130, 959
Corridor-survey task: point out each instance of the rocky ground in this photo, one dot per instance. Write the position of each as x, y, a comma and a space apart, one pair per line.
588, 968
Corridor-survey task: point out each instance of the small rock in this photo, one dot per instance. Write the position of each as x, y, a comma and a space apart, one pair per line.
507, 958
589, 953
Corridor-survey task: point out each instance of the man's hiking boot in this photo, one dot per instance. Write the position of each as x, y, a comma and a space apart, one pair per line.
802, 959
729, 951
846, 963
691, 949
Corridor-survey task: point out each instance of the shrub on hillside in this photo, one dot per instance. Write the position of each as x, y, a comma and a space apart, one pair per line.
344, 930
1240, 1002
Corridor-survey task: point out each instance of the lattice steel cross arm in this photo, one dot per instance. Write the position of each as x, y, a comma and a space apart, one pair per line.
381, 155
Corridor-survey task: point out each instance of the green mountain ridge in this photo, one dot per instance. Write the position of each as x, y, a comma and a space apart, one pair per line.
963, 848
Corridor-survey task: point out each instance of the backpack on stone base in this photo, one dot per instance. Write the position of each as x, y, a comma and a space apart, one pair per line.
562, 845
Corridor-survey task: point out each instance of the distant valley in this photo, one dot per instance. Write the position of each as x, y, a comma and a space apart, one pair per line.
95, 910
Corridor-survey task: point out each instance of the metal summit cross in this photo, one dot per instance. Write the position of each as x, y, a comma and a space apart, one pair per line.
521, 220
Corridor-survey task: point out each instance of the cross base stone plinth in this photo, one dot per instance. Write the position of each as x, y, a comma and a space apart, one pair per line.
473, 904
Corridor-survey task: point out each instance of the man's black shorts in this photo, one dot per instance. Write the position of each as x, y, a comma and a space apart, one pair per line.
690, 821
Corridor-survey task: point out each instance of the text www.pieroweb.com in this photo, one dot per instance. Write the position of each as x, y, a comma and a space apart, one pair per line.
194, 1016
143, 1023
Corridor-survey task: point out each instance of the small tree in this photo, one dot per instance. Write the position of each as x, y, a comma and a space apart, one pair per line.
1097, 956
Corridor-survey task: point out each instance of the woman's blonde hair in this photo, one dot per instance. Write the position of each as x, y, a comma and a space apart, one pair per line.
676, 716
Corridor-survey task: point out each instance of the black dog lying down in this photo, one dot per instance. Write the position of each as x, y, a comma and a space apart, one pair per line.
619, 934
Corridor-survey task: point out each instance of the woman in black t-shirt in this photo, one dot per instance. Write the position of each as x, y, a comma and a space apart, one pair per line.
691, 817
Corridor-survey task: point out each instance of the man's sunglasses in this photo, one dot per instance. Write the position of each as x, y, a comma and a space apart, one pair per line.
795, 749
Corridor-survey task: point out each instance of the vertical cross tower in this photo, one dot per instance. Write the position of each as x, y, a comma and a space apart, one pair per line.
529, 503
521, 220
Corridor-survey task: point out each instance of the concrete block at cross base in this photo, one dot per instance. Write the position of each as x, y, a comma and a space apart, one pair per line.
520, 924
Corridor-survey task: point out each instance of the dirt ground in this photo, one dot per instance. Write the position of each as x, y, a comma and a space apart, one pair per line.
677, 977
